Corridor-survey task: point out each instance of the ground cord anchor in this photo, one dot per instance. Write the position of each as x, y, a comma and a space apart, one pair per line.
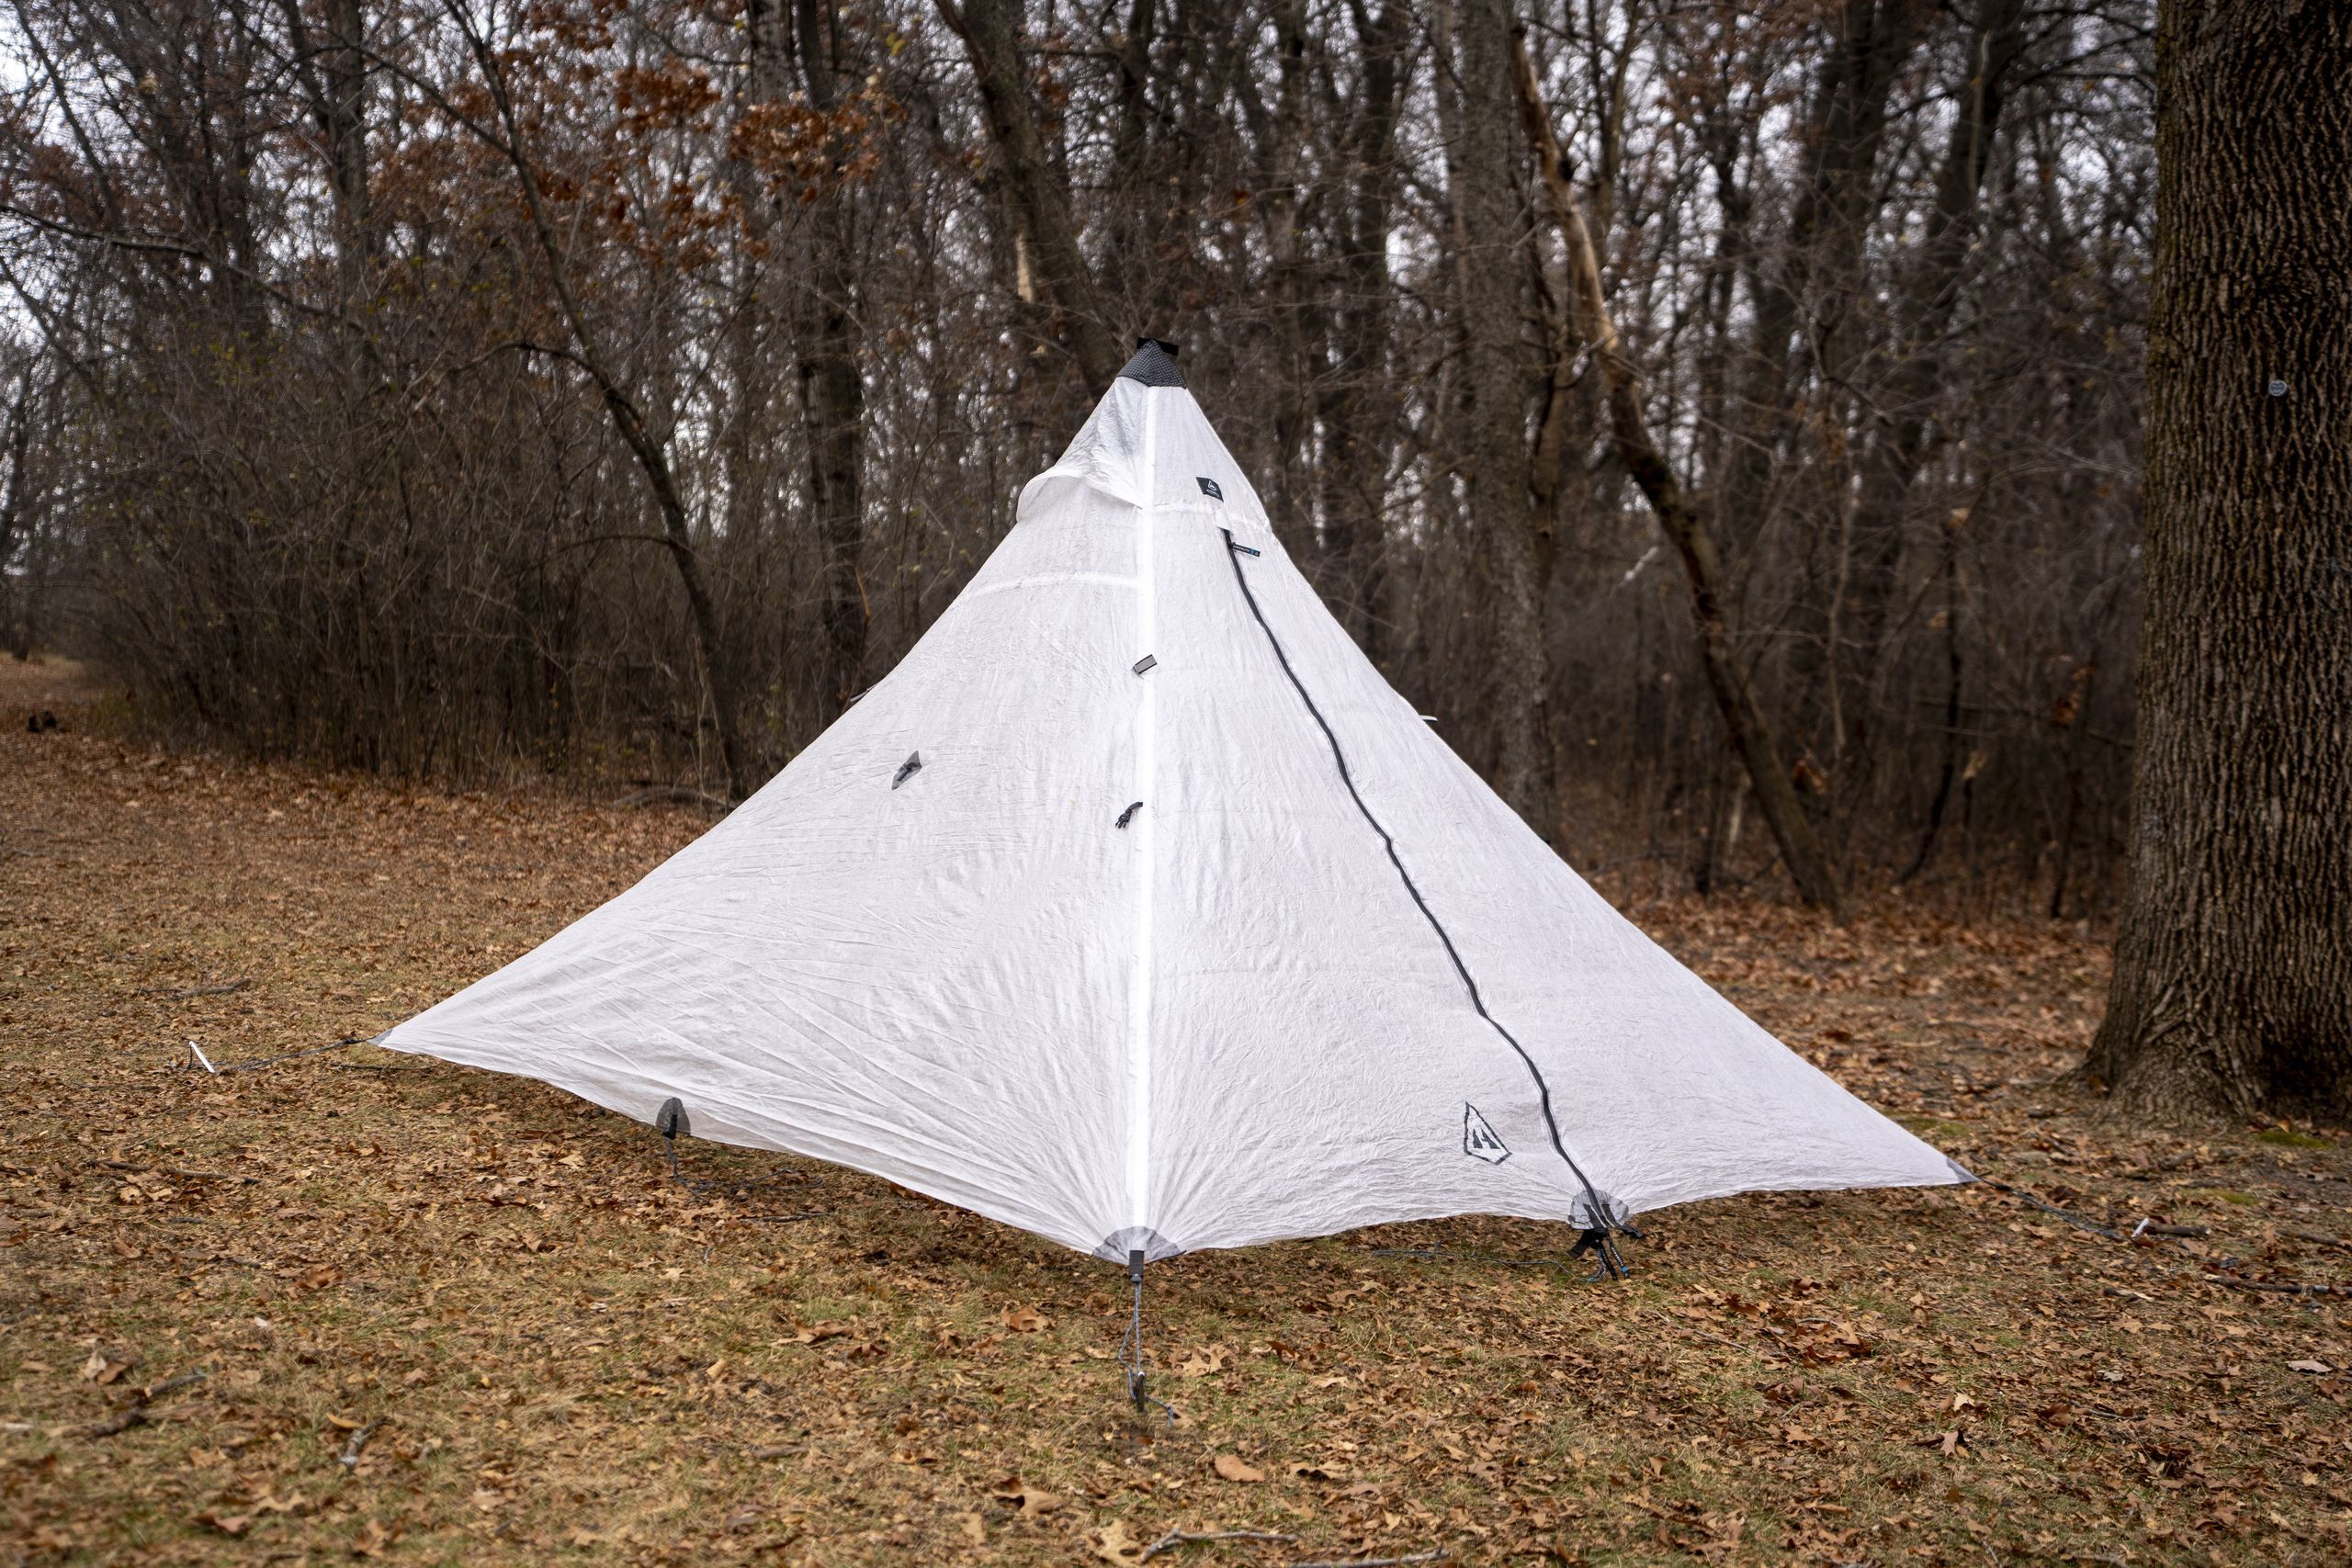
1598, 1242
673, 1124
1131, 1349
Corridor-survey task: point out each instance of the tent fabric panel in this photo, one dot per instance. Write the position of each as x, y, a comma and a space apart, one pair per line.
924, 982
1665, 1093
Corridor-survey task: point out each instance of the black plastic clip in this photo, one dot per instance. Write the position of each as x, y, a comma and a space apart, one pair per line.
907, 769
1233, 543
1146, 662
1129, 815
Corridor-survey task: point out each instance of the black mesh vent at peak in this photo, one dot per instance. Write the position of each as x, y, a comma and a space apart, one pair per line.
1153, 366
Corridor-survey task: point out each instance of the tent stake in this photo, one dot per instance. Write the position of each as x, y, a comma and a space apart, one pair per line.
1131, 1348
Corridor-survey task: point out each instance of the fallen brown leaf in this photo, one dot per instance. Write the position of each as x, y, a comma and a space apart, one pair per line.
1233, 1467
1113, 1544
814, 1333
1029, 1502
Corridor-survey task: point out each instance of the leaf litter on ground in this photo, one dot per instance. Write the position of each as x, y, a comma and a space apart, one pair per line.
555, 1347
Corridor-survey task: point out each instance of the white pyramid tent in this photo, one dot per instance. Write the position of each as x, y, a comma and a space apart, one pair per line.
1135, 910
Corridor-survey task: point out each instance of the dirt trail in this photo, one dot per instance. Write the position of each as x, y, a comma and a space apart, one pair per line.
444, 1316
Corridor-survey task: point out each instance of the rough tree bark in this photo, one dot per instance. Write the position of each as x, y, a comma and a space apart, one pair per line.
2232, 987
1684, 526
991, 33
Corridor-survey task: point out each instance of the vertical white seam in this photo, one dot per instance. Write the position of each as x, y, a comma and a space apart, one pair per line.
1147, 761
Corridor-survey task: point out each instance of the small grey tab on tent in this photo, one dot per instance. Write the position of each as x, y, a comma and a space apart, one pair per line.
1146, 662
671, 1121
1209, 487
907, 769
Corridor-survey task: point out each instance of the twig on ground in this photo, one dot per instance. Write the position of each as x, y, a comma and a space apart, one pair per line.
175, 1170
782, 1219
135, 1413
1442, 1554
132, 1415
2187, 1233
1175, 1538
349, 1458
2322, 1237
173, 1385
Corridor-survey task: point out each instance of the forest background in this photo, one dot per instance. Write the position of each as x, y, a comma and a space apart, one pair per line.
613, 389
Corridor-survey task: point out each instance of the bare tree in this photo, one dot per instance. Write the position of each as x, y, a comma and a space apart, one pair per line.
2233, 988
378, 345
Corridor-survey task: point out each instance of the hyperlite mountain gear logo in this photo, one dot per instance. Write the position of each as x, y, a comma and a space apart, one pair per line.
1478, 1139
1209, 487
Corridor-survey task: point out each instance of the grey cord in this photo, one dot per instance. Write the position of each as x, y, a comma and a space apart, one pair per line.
1131, 1359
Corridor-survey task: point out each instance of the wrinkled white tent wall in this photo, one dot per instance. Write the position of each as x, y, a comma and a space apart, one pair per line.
1227, 1023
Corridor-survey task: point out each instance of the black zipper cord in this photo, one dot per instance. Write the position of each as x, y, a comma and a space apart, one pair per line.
1601, 1218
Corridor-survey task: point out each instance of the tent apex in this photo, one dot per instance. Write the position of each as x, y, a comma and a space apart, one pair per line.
1154, 364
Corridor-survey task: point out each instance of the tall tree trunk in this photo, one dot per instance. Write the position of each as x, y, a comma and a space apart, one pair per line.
1357, 405
1495, 375
2233, 988
832, 394
991, 33
1684, 526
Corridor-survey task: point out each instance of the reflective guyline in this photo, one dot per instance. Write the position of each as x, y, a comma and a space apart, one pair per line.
1601, 1219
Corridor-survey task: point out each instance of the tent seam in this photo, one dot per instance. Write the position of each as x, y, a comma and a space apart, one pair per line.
1145, 848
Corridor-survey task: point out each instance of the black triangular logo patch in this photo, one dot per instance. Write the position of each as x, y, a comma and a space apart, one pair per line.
1480, 1140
